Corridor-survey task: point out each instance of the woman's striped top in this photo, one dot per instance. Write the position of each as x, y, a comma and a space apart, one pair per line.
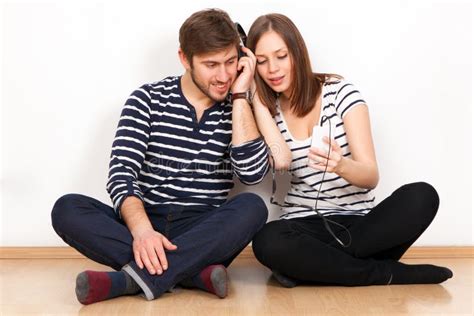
337, 196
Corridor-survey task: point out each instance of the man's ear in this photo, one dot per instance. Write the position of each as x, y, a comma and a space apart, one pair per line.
184, 60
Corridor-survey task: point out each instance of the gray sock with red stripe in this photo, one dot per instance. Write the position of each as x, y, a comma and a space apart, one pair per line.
212, 279
96, 286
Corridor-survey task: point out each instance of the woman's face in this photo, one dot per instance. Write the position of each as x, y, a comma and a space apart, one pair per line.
274, 62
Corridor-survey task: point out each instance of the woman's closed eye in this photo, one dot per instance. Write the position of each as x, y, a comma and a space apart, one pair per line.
263, 61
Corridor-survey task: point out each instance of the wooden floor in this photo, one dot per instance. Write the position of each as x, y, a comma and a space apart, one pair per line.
46, 286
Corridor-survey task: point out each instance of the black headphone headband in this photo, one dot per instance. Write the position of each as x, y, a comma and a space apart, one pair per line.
241, 32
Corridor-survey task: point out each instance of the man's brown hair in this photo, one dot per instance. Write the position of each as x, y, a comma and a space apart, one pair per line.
206, 31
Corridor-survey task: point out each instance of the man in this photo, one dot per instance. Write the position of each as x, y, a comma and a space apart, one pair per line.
178, 143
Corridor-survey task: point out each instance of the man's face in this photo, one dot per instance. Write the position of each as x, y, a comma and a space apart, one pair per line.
213, 73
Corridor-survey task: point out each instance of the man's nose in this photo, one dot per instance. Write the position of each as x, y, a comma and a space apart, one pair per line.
223, 74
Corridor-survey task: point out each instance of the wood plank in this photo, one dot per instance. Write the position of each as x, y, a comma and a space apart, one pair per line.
439, 252
46, 287
70, 253
40, 253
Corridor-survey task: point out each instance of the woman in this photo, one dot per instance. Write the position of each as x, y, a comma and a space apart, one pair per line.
349, 240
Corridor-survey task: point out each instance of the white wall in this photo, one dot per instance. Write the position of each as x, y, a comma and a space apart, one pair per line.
68, 67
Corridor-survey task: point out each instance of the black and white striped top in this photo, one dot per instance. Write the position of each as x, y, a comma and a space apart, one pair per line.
162, 155
337, 196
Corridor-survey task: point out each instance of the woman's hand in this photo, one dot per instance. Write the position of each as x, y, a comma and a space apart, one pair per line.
318, 158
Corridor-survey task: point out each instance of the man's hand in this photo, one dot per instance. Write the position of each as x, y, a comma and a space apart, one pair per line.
149, 250
148, 245
247, 67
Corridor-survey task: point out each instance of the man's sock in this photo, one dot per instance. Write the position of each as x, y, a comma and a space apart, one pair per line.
284, 280
212, 279
418, 273
95, 286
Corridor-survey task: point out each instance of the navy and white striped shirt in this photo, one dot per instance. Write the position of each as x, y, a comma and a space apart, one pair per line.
162, 155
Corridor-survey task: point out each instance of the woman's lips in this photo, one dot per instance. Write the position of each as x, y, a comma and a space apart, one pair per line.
276, 80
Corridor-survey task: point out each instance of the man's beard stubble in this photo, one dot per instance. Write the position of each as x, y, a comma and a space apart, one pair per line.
203, 89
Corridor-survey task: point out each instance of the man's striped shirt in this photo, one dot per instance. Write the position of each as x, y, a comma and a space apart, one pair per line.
337, 196
162, 155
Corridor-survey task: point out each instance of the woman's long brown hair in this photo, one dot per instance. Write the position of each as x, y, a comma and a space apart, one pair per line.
306, 86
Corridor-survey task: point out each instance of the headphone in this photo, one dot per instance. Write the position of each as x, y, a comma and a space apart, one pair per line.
242, 36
